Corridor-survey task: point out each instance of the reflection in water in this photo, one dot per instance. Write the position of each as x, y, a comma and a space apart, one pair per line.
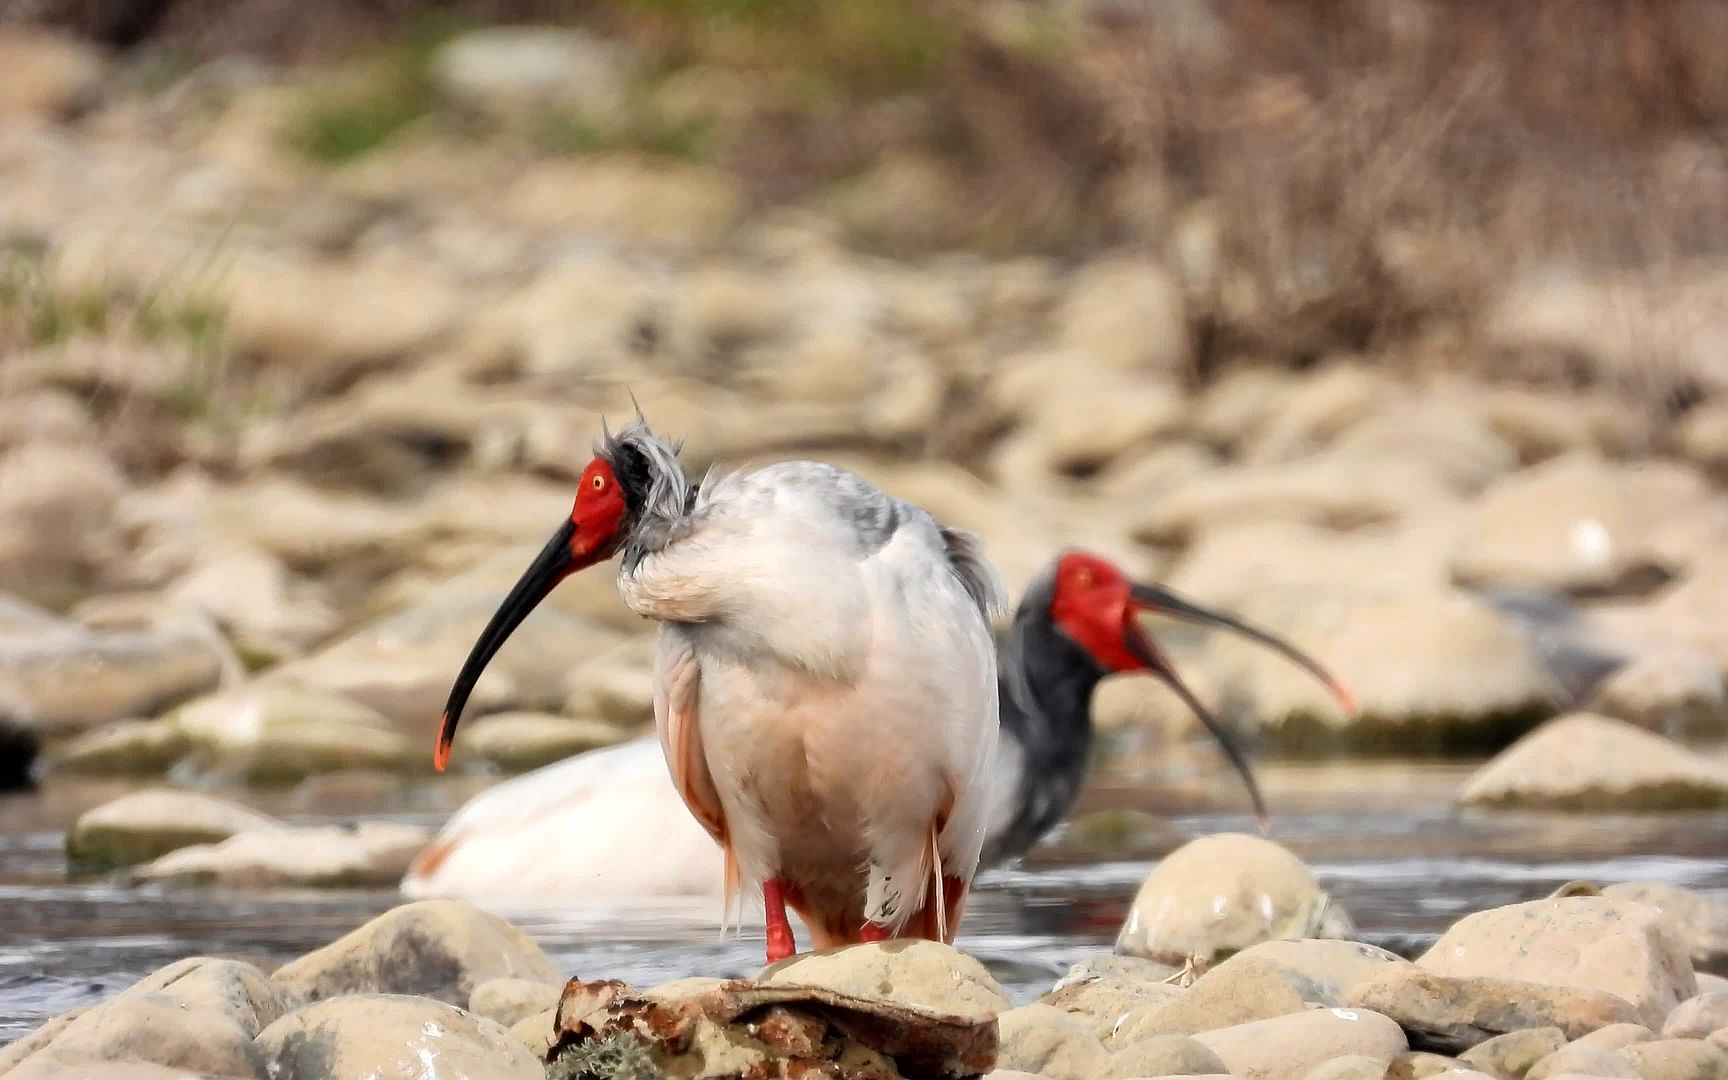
1381, 838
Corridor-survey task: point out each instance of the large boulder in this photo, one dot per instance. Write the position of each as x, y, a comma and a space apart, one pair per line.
1588, 762
365, 1035
1222, 893
372, 854
145, 824
1590, 943
435, 948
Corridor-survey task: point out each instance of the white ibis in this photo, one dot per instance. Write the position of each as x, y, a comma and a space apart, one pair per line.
572, 831
825, 679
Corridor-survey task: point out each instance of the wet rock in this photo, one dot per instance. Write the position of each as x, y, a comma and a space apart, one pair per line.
274, 732
234, 989
145, 824
1616, 1036
734, 1028
1588, 762
54, 1068
129, 747
74, 679
1163, 1055
1579, 1060
149, 1028
1046, 1041
1697, 1017
1126, 315
521, 741
1699, 920
1322, 972
506, 68
372, 854
1450, 1015
1288, 1046
1222, 893
1235, 992
49, 77
1578, 524
922, 974
435, 948
511, 1001
389, 1035
1588, 943
1512, 1054
1677, 1059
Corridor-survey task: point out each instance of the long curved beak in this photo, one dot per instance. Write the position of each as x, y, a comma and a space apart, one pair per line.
1153, 600
554, 563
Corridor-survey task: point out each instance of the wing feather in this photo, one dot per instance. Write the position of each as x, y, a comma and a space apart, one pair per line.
677, 694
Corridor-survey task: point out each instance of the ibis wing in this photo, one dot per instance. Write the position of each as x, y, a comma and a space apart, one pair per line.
677, 696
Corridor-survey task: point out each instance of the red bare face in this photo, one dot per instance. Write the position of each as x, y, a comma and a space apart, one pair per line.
1091, 606
597, 514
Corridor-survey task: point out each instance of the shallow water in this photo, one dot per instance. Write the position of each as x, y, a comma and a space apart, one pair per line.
1381, 837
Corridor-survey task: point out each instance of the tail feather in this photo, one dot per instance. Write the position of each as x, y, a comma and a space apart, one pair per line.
732, 884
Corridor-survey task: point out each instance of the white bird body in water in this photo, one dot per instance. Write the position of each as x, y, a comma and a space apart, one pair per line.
572, 832
825, 680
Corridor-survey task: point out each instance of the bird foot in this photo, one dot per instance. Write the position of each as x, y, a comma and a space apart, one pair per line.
873, 932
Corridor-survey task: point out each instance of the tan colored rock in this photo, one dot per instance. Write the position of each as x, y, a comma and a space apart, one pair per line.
1236, 992
506, 69
435, 948
923, 974
1288, 1046
1703, 436
1221, 893
1163, 1055
1349, 1067
140, 826
271, 732
1232, 411
128, 747
1540, 424
1580, 1060
1077, 420
1589, 943
1126, 315
1674, 691
1577, 524
1046, 1041
390, 1035
1589, 762
640, 202
1105, 990
1418, 1065
143, 1030
1316, 409
1464, 451
520, 741
370, 854
510, 1001
1616, 1036
56, 506
14, 1052
1512, 1054
1452, 1014
252, 597
1697, 1017
1677, 1059
1323, 972
74, 679
538, 1032
49, 76
1699, 920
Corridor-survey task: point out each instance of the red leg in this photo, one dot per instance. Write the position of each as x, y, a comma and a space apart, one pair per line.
780, 943
873, 932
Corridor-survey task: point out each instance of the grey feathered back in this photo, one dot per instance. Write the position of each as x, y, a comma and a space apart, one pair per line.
983, 584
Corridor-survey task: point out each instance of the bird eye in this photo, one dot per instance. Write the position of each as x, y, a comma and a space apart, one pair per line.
598, 483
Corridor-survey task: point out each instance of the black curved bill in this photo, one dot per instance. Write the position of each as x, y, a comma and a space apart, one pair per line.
554, 563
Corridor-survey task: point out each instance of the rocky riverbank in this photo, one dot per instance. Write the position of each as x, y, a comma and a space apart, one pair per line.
1243, 970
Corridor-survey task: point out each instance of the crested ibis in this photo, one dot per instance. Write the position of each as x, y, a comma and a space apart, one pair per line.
825, 678
573, 831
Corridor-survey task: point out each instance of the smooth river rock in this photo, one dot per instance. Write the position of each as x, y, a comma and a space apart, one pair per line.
363, 1036
1587, 762
1697, 1017
1286, 1047
435, 948
1451, 1014
922, 974
1222, 893
1585, 942
146, 824
371, 854
1047, 1041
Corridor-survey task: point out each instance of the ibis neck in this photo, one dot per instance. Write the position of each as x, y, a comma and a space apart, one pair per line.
1045, 687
